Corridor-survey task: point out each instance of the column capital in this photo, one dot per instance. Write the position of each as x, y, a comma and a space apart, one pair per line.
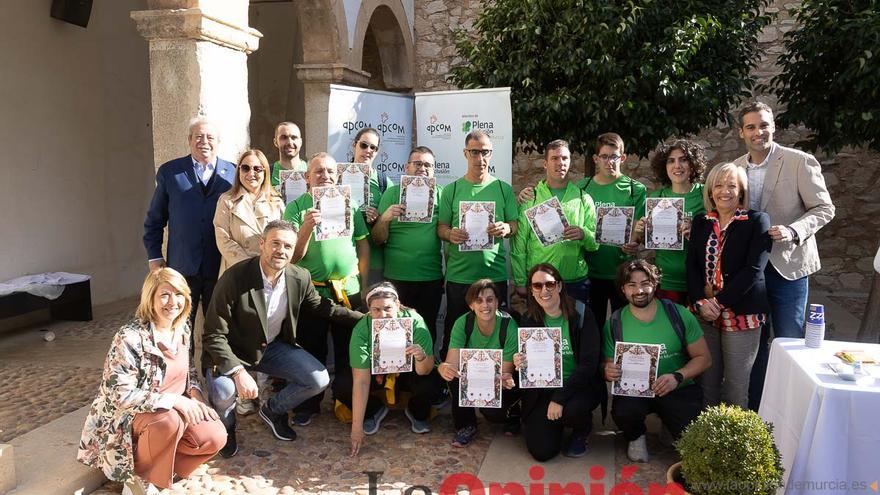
196, 24
331, 73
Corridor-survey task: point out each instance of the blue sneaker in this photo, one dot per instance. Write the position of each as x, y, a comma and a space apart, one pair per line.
464, 436
371, 424
578, 446
418, 426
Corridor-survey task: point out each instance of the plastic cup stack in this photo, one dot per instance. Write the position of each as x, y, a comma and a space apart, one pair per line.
814, 329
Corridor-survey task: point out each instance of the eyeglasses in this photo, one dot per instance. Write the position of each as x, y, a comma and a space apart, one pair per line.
205, 137
610, 158
539, 286
364, 146
246, 169
483, 153
421, 164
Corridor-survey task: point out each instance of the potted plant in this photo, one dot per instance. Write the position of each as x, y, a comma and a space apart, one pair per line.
728, 451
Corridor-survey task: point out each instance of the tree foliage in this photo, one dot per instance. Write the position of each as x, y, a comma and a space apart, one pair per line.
830, 78
645, 69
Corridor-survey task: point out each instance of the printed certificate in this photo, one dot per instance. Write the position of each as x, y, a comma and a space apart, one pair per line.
638, 364
292, 184
334, 203
474, 218
390, 338
663, 225
614, 224
417, 196
547, 221
543, 350
480, 382
356, 176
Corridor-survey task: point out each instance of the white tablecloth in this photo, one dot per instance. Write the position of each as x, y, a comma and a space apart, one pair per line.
827, 429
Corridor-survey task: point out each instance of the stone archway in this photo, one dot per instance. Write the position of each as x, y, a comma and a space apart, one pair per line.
383, 42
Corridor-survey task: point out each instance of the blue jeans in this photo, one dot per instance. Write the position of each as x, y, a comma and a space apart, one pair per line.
788, 304
305, 376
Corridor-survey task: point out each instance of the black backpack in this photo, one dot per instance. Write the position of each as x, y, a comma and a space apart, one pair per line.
502, 333
671, 313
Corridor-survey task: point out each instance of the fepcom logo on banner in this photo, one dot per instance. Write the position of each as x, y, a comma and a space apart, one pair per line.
438, 129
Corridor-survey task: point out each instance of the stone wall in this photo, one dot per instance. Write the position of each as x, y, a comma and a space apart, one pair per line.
847, 245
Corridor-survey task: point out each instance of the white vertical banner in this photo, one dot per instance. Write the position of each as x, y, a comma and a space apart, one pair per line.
444, 118
351, 109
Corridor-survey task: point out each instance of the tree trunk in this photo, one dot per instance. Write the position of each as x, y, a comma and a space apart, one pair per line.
869, 331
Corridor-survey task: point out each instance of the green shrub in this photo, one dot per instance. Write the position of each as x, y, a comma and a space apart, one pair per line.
730, 451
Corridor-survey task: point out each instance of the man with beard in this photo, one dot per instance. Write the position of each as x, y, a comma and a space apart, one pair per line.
288, 140
253, 324
684, 355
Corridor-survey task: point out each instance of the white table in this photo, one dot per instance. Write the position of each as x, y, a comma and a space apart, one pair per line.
827, 429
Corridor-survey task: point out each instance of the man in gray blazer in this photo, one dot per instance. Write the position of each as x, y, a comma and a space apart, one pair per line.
788, 185
252, 326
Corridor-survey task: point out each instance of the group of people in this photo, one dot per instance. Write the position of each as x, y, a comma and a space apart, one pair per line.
272, 294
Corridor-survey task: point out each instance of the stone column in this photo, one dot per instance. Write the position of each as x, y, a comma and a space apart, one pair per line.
317, 79
198, 66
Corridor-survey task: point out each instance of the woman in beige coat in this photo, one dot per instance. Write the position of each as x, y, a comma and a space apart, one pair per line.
244, 210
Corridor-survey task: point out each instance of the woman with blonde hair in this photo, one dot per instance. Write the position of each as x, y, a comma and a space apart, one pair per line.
149, 420
728, 251
243, 212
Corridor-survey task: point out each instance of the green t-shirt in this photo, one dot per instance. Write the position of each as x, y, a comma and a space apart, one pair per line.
673, 262
569, 363
457, 338
377, 253
469, 266
360, 348
299, 165
622, 192
658, 331
333, 259
412, 251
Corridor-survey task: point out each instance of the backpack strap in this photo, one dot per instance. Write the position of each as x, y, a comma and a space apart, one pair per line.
383, 181
616, 327
502, 333
676, 321
469, 327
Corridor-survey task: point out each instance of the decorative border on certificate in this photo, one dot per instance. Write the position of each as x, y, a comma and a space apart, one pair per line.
417, 216
390, 334
360, 195
638, 365
550, 215
543, 373
614, 216
663, 212
331, 230
474, 393
291, 185
476, 243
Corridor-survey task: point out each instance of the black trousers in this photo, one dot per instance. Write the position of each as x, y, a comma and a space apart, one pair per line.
467, 416
544, 437
456, 306
424, 297
311, 335
676, 409
601, 293
201, 289
423, 389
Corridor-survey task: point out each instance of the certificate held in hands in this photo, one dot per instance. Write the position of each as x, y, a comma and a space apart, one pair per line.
334, 203
356, 176
614, 224
480, 382
548, 221
638, 365
292, 184
417, 197
390, 338
663, 225
542, 348
475, 218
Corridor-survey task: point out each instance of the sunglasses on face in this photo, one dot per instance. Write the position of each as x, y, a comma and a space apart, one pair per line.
364, 146
475, 153
539, 286
246, 169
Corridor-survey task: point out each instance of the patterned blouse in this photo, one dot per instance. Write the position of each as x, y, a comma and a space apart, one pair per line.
728, 320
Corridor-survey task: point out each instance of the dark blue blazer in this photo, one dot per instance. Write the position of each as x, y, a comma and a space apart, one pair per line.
181, 202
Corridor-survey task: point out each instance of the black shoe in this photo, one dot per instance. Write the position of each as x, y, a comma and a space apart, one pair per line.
278, 424
231, 447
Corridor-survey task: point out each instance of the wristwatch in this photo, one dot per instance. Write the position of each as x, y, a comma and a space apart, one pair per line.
678, 377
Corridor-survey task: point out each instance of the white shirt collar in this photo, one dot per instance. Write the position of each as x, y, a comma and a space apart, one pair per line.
267, 284
766, 158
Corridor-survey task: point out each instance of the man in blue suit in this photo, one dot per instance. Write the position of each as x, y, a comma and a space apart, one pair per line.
186, 196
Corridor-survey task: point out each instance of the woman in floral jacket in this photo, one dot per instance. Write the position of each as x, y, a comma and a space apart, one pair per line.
149, 420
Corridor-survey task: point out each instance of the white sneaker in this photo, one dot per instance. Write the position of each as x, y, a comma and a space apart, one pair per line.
637, 451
